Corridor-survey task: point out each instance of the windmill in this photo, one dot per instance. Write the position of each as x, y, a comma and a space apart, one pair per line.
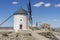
36, 23
29, 11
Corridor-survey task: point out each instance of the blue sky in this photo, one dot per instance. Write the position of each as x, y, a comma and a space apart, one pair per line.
43, 11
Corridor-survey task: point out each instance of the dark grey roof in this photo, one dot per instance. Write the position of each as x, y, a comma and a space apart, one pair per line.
21, 11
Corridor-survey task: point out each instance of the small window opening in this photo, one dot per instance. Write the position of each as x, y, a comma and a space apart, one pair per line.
20, 19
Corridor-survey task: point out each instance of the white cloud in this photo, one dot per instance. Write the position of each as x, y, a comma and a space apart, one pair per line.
14, 2
41, 3
38, 4
47, 5
55, 20
57, 5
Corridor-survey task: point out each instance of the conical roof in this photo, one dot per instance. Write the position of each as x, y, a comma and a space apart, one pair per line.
21, 11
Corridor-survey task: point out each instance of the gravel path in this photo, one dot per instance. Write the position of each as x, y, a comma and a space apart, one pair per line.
57, 35
38, 37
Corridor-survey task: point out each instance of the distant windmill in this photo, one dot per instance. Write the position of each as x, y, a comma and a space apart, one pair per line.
36, 24
30, 11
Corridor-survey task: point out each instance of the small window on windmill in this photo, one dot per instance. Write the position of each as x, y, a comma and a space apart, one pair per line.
20, 19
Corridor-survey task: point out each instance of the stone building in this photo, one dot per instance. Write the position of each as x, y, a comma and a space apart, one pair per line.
45, 26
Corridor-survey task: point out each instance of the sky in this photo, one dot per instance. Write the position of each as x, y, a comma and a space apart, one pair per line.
43, 11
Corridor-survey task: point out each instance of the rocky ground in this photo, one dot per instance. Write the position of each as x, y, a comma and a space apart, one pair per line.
29, 35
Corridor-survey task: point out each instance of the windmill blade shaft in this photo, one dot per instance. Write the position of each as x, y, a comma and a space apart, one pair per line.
6, 19
29, 8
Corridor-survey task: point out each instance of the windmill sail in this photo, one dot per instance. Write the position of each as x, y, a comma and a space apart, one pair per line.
6, 19
30, 12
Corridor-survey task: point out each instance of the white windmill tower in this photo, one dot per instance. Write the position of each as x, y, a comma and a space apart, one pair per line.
20, 20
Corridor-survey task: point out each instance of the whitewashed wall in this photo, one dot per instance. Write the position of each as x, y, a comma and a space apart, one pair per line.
17, 22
